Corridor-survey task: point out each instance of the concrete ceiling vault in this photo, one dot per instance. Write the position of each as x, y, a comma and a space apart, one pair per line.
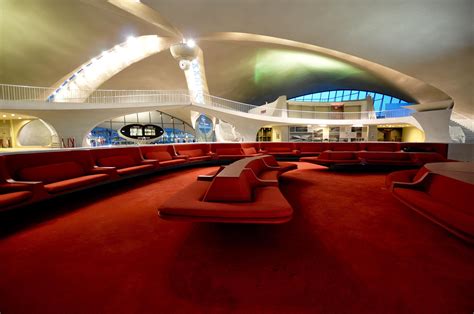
431, 40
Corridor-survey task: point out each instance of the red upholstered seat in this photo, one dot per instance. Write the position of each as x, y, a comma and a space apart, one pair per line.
229, 151
127, 160
311, 149
135, 169
51, 172
444, 200
348, 147
160, 156
424, 158
200, 158
172, 162
268, 206
380, 147
14, 198
74, 183
279, 148
119, 162
405, 176
249, 150
441, 212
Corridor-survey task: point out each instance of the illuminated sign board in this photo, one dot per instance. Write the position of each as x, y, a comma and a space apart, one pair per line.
141, 132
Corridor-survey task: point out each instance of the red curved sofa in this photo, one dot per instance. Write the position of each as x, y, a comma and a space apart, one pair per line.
443, 200
33, 176
235, 195
380, 154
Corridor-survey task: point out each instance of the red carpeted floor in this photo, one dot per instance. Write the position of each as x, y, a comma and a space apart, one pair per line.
350, 248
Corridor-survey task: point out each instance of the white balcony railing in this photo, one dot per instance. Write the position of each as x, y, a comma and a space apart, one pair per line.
45, 94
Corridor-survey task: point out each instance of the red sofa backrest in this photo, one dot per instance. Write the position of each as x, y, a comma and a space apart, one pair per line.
121, 157
226, 148
347, 147
277, 146
380, 146
158, 152
192, 150
50, 166
232, 189
451, 192
311, 147
440, 148
257, 166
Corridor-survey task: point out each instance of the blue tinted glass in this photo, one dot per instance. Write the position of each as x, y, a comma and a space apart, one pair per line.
380, 100
377, 105
355, 96
346, 95
324, 96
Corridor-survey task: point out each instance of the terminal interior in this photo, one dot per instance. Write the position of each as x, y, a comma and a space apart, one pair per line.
162, 156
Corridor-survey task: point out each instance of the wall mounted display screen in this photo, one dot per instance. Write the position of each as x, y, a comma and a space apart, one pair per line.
141, 132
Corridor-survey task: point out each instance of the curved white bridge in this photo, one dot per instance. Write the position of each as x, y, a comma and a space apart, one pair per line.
74, 117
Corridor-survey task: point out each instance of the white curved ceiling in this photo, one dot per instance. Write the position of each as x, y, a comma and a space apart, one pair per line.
432, 40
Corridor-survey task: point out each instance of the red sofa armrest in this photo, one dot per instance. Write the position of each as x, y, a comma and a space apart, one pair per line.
296, 151
37, 187
150, 161
213, 155
17, 186
181, 157
263, 151
112, 171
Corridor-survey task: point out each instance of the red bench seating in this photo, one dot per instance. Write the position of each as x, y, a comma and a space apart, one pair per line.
279, 149
380, 153
410, 176
232, 151
12, 194
165, 155
443, 200
29, 177
194, 152
250, 149
51, 173
126, 160
235, 195
311, 149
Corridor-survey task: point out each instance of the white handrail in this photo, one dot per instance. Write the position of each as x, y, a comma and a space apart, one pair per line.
46, 94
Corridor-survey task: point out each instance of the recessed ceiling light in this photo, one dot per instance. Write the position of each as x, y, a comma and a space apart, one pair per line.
4, 115
191, 43
13, 114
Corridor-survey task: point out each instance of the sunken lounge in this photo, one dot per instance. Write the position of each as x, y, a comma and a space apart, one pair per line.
247, 157
227, 227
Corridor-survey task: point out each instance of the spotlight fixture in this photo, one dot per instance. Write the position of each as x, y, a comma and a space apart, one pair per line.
191, 43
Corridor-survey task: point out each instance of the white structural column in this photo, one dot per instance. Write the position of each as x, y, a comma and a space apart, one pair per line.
435, 124
191, 60
84, 80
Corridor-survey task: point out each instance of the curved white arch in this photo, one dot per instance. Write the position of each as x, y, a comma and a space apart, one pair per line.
85, 79
421, 91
